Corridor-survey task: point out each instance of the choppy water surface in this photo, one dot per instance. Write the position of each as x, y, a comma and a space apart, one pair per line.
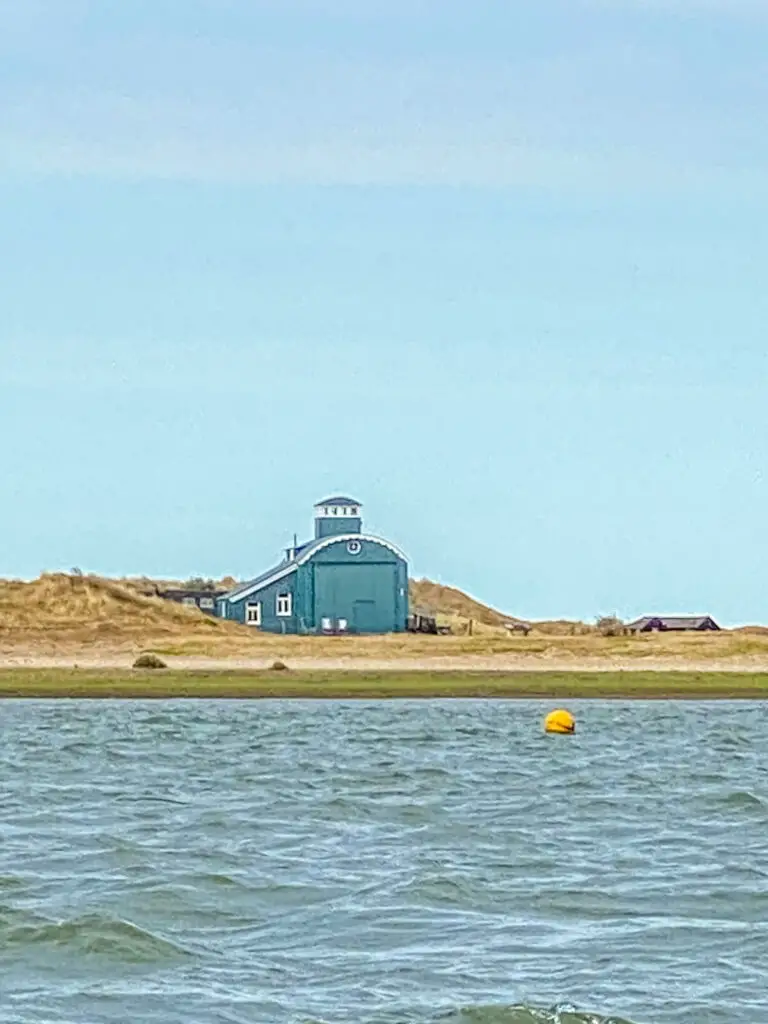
437, 861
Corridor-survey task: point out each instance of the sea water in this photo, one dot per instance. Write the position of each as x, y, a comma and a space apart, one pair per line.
194, 862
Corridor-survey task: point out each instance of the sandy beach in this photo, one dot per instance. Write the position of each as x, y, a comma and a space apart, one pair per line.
502, 663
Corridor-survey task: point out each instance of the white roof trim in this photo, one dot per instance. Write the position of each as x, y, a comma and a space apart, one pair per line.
237, 595
343, 538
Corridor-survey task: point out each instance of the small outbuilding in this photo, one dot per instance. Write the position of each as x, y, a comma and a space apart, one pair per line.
342, 581
674, 624
422, 622
205, 600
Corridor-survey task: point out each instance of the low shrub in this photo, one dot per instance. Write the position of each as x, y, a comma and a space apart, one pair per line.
149, 661
279, 666
609, 625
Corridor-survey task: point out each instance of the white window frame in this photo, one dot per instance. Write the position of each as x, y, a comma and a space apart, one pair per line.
207, 602
284, 605
189, 602
253, 606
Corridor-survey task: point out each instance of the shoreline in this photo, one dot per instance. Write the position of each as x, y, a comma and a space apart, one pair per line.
292, 684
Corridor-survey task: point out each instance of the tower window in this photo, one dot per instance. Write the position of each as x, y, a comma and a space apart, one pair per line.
284, 606
354, 547
354, 510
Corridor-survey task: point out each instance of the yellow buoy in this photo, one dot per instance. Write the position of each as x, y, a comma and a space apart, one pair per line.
560, 721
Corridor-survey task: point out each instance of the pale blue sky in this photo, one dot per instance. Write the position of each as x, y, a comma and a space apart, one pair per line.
495, 268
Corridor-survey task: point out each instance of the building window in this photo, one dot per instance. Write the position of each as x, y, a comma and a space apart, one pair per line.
206, 602
190, 602
354, 547
354, 510
335, 511
253, 613
284, 605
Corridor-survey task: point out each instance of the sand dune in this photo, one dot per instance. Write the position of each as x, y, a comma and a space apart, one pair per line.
64, 619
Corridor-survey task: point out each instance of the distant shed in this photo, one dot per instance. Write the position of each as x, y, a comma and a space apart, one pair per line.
205, 600
422, 622
674, 624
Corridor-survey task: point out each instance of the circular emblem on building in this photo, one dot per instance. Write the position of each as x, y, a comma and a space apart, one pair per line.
354, 547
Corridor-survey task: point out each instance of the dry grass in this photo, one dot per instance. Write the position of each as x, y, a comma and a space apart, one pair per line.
60, 609
454, 608
87, 619
453, 605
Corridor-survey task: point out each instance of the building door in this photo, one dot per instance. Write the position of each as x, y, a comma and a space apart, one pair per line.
363, 594
364, 617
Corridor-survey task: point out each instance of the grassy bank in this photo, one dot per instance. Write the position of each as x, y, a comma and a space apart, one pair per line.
41, 683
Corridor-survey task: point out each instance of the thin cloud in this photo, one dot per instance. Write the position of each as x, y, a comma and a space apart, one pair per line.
603, 117
725, 8
113, 137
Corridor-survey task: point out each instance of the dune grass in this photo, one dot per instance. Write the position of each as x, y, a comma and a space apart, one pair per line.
674, 649
91, 619
87, 683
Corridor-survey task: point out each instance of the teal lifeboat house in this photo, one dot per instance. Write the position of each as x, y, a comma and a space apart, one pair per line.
342, 581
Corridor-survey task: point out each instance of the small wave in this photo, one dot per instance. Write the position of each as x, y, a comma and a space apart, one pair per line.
743, 800
525, 1015
440, 890
218, 878
111, 937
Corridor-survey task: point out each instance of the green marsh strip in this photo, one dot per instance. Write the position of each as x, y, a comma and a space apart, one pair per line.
172, 683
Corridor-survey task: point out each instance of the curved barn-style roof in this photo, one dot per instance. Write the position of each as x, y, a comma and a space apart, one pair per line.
303, 555
325, 542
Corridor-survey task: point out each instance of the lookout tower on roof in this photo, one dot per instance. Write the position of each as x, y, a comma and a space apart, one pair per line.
337, 516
